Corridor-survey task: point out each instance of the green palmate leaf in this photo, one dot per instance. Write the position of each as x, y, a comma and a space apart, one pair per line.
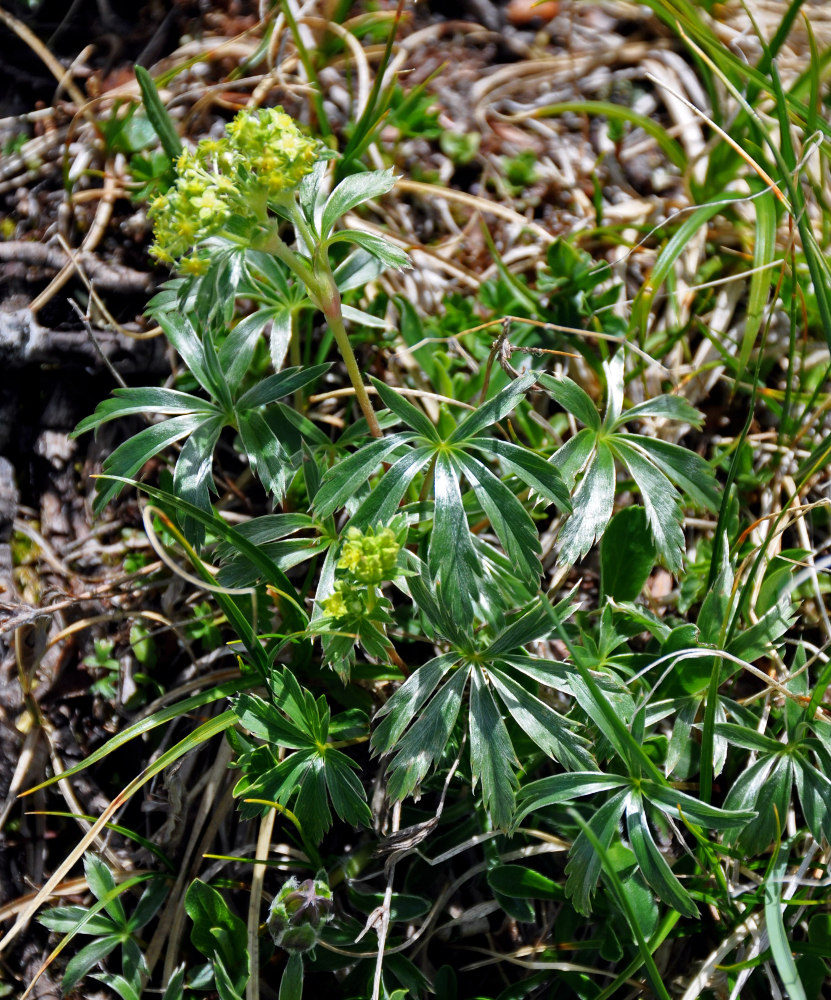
552, 733
86, 959
681, 466
130, 457
388, 253
345, 790
679, 804
528, 466
574, 456
359, 268
592, 505
279, 337
584, 862
267, 456
652, 864
766, 788
305, 774
342, 481
750, 739
613, 370
102, 884
406, 411
147, 907
196, 354
509, 519
353, 191
193, 473
423, 745
493, 410
627, 555
383, 502
491, 753
125, 989
572, 398
664, 407
63, 919
147, 400
403, 706
363, 318
451, 557
282, 383
560, 788
661, 502
538, 622
266, 722
814, 790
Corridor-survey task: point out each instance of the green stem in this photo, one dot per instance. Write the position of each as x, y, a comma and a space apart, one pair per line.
329, 302
323, 292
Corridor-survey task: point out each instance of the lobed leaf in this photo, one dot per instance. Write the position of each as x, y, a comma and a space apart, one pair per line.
492, 757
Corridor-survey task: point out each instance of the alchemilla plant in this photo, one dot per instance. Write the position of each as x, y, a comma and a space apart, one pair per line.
422, 675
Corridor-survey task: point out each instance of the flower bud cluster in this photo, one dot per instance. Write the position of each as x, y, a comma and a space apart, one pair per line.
368, 559
371, 558
299, 913
262, 156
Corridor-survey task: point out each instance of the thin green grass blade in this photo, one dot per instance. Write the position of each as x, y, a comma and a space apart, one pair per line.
777, 935
618, 112
179, 710
157, 114
377, 104
611, 874
308, 65
125, 831
667, 258
271, 572
764, 253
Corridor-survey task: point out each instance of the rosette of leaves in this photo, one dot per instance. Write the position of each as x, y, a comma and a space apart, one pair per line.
442, 459
315, 772
108, 923
418, 721
640, 797
198, 421
656, 467
799, 759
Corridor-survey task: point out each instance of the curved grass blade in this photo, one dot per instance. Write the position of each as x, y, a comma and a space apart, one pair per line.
199, 736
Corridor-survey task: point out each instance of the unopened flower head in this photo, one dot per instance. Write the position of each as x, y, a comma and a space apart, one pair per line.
371, 558
262, 156
299, 913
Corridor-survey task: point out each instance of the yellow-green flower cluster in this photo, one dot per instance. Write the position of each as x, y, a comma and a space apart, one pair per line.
367, 560
262, 156
273, 149
371, 558
346, 601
